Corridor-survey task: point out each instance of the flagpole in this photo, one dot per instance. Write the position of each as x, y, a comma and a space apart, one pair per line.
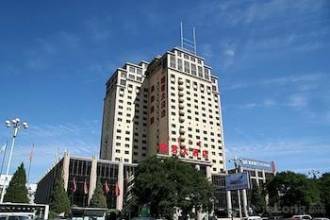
30, 161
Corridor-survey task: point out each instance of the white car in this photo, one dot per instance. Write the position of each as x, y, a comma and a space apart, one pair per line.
15, 217
253, 218
301, 217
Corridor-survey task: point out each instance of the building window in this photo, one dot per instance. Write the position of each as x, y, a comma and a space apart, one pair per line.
200, 71
123, 82
163, 113
172, 61
193, 69
206, 73
179, 64
186, 67
131, 76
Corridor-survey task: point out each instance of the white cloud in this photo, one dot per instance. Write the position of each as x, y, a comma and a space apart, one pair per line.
230, 52
269, 102
298, 101
297, 79
99, 29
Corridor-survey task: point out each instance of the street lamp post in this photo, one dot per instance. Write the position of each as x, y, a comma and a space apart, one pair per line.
16, 125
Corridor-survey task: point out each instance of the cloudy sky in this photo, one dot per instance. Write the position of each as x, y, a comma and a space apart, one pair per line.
272, 57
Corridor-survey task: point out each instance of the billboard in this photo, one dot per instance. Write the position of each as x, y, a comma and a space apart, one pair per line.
256, 164
237, 181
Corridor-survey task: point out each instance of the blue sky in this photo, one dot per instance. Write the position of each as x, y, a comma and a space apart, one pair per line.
272, 57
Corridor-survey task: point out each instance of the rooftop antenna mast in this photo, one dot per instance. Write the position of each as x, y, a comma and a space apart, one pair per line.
187, 44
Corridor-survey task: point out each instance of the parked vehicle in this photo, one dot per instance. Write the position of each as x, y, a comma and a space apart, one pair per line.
253, 218
301, 217
15, 216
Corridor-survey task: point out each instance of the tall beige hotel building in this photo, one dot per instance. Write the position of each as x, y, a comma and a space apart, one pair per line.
168, 107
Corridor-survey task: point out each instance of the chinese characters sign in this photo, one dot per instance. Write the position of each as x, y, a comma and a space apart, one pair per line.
182, 151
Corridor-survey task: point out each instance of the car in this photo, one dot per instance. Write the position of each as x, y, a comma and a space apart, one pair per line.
14, 217
301, 217
253, 218
320, 218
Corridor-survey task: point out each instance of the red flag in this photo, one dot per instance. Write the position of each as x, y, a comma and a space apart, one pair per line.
117, 189
273, 167
74, 185
85, 187
106, 187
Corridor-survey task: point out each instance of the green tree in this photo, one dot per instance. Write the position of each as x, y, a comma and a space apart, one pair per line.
98, 199
324, 186
166, 183
17, 191
59, 202
291, 189
257, 200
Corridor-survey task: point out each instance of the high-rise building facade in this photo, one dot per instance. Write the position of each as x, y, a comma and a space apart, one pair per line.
124, 129
170, 106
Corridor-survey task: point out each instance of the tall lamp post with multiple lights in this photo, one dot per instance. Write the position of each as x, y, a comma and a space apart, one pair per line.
16, 125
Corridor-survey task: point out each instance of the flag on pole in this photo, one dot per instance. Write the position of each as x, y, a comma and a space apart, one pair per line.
85, 187
74, 185
106, 187
117, 189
